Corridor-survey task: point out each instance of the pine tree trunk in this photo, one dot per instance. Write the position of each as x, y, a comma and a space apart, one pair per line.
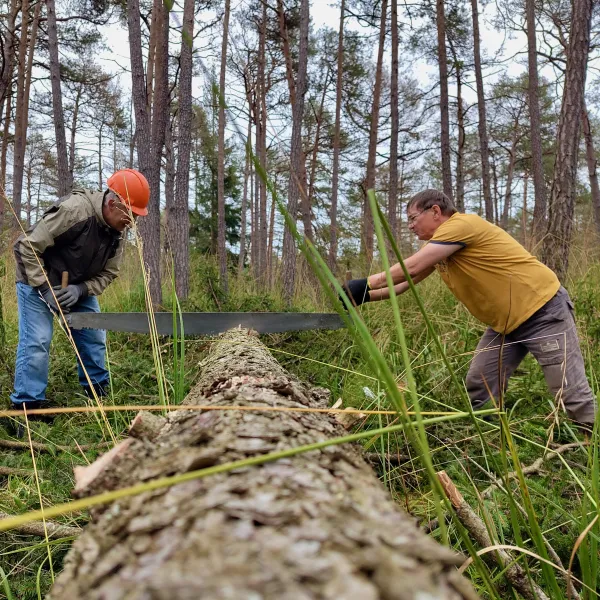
315, 525
20, 116
262, 149
8, 56
460, 148
244, 211
74, 129
393, 192
170, 177
179, 218
296, 187
539, 185
592, 165
65, 182
5, 140
444, 109
367, 217
333, 237
221, 247
305, 205
510, 174
562, 200
482, 125
143, 141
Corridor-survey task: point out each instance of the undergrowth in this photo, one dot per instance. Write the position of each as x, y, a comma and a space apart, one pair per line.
329, 359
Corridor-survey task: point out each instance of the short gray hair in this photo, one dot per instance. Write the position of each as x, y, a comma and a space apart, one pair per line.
428, 198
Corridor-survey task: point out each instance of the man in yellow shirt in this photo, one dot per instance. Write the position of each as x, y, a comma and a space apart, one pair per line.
500, 283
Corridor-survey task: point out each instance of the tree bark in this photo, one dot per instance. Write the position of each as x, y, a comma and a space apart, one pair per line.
179, 219
5, 137
296, 187
482, 125
221, 247
244, 211
316, 525
592, 165
261, 102
562, 200
74, 129
65, 182
149, 135
367, 217
393, 191
510, 170
460, 120
20, 115
333, 238
539, 185
305, 204
444, 109
8, 56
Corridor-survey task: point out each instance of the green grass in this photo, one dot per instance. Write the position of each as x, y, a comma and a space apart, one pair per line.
561, 507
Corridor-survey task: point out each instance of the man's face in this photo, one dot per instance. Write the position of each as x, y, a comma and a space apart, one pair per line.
424, 222
116, 214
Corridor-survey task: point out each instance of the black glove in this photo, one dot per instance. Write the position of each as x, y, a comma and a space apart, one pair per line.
70, 295
357, 289
45, 292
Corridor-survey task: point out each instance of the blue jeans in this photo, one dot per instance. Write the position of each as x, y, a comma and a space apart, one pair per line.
35, 335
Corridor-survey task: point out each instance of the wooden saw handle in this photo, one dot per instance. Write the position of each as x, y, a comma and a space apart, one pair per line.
65, 279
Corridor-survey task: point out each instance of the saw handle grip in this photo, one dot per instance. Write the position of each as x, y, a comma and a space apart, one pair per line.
64, 282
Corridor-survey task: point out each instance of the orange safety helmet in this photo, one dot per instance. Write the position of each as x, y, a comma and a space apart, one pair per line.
133, 189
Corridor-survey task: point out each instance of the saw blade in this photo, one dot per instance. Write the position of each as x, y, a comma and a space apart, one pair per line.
206, 323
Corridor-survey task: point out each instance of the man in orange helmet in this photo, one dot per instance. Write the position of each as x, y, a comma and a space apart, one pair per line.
82, 235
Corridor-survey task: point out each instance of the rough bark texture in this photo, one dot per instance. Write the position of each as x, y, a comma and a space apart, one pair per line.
482, 124
65, 182
8, 54
393, 196
297, 181
305, 205
221, 247
562, 201
179, 219
444, 109
261, 133
317, 525
336, 145
367, 217
592, 165
539, 186
149, 226
244, 210
20, 115
460, 122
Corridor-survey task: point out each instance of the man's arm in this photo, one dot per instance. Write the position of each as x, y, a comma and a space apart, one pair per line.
423, 260
400, 288
57, 223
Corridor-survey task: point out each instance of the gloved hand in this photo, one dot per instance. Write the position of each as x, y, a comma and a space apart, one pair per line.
70, 295
46, 293
357, 290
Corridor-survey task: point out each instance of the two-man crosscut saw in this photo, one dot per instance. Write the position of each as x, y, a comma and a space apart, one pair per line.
204, 323
198, 323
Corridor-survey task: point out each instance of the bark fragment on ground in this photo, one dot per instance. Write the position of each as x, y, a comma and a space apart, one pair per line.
318, 525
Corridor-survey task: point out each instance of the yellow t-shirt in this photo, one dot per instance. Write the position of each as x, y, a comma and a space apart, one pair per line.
498, 281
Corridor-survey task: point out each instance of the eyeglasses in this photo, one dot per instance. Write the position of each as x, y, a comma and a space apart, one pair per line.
413, 218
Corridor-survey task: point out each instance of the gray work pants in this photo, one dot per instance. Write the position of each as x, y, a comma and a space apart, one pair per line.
551, 336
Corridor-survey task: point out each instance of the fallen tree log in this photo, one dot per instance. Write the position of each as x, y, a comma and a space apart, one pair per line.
317, 525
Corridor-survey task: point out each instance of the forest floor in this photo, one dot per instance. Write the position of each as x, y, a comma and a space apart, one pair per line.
332, 360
